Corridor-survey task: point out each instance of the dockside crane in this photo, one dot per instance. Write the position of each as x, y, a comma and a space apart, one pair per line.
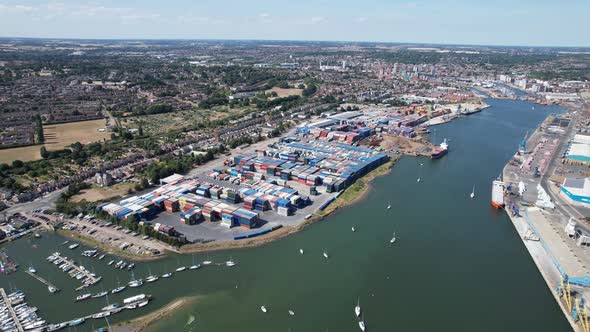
581, 315
522, 148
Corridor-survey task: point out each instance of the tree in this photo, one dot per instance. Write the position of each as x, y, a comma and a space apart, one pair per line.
44, 153
17, 164
39, 129
310, 90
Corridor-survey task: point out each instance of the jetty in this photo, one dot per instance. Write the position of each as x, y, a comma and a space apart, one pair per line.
43, 281
78, 272
8, 305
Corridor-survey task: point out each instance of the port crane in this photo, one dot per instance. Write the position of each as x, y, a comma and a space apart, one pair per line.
575, 306
522, 148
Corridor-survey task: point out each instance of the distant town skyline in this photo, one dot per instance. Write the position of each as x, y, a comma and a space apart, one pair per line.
501, 22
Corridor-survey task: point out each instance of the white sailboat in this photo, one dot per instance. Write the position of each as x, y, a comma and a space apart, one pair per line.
393, 238
357, 308
326, 254
230, 262
301, 251
291, 312
353, 228
472, 192
418, 180
263, 308
194, 266
389, 205
362, 325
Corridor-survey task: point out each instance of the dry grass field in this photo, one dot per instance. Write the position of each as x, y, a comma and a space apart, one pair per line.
97, 193
285, 92
57, 137
61, 135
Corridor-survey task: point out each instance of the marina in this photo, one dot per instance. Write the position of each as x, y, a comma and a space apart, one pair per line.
17, 315
77, 272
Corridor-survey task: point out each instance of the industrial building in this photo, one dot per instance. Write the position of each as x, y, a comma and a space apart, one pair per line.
576, 190
579, 149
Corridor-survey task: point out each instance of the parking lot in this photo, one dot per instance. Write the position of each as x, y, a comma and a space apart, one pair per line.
111, 236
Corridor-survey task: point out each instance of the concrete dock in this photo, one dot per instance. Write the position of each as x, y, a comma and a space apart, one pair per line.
43, 281
542, 230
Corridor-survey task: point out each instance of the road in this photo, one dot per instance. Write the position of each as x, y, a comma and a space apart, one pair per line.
43, 202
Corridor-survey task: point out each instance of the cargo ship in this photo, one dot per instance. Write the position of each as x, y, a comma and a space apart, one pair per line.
498, 194
442, 150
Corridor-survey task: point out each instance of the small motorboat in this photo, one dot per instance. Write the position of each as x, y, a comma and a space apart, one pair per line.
110, 307
167, 275
263, 308
83, 297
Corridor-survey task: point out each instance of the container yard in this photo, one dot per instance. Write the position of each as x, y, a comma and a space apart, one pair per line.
262, 190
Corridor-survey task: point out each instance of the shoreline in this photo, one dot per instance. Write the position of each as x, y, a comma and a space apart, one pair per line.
351, 195
141, 323
537, 250
88, 241
538, 254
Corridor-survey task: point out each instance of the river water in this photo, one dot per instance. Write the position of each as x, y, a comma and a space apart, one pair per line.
457, 264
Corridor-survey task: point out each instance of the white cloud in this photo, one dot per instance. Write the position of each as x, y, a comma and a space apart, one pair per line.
317, 19
264, 15
52, 10
361, 19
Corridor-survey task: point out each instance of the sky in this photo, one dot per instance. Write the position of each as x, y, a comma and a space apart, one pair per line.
497, 22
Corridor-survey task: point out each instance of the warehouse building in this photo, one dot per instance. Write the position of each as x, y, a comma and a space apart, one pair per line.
576, 191
579, 149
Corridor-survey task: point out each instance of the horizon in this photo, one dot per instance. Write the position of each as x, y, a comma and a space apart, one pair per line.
527, 23
298, 41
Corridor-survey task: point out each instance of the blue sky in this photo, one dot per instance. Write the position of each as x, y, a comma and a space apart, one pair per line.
499, 22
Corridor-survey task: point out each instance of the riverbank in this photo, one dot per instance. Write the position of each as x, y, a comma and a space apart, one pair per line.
141, 323
90, 242
354, 193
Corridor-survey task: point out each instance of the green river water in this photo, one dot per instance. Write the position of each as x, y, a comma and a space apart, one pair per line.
457, 264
